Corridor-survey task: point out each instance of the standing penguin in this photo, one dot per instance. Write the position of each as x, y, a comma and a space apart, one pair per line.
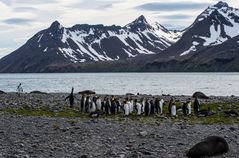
196, 106
82, 104
171, 102
173, 110
71, 98
126, 108
98, 103
107, 106
87, 104
131, 105
19, 89
113, 106
157, 108
161, 102
152, 107
118, 105
138, 108
189, 106
92, 106
147, 107
103, 102
185, 109
143, 104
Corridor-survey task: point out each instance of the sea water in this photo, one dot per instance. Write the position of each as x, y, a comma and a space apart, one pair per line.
220, 84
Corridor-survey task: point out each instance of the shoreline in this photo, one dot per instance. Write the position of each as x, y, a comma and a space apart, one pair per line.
107, 94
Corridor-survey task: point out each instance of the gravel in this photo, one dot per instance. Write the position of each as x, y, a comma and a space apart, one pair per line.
41, 137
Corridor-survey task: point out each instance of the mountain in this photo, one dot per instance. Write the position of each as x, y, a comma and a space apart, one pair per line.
215, 25
209, 44
57, 45
218, 58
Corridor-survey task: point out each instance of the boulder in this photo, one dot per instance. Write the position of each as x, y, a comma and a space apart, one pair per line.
129, 94
200, 95
2, 92
87, 92
37, 92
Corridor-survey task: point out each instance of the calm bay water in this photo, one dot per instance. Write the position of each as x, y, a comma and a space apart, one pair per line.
222, 84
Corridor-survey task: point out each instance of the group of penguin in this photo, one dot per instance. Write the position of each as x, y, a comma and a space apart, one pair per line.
112, 105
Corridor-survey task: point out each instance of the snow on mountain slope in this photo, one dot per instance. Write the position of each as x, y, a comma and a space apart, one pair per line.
172, 36
82, 43
215, 25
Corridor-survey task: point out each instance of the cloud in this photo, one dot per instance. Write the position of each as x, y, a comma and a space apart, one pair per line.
95, 4
172, 6
175, 16
33, 1
6, 2
18, 21
25, 9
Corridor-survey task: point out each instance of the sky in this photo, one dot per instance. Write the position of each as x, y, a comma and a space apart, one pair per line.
21, 19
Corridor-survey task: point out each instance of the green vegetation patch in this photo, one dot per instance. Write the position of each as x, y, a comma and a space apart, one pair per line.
218, 118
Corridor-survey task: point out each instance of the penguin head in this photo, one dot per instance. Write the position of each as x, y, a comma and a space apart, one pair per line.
72, 90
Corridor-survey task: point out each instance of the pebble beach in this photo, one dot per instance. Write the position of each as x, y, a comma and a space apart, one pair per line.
115, 136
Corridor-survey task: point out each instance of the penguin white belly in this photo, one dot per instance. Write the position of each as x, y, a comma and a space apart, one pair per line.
129, 106
173, 110
143, 106
93, 107
126, 109
161, 106
189, 109
98, 104
139, 107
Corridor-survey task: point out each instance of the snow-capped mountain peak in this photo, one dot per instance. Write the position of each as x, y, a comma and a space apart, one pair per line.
140, 19
215, 25
56, 25
220, 4
139, 24
220, 8
85, 43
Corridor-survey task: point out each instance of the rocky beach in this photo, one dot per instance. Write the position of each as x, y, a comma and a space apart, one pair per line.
58, 131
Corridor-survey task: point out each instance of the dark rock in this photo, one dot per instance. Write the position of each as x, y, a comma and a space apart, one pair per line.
200, 95
231, 113
83, 156
129, 94
211, 146
145, 152
87, 92
37, 92
232, 129
2, 92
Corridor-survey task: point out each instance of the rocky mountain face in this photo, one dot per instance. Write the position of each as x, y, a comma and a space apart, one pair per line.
219, 58
209, 44
215, 25
58, 45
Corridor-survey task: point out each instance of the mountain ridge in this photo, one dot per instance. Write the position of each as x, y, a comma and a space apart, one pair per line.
135, 46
